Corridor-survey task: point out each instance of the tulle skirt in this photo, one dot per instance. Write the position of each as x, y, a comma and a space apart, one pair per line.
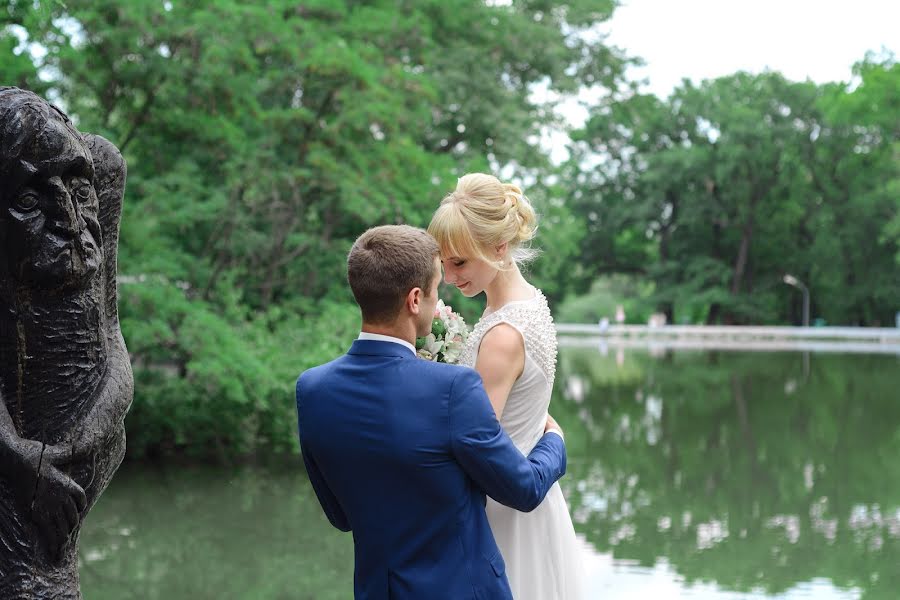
541, 552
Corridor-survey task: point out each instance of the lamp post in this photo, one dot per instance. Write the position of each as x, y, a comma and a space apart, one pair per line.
793, 281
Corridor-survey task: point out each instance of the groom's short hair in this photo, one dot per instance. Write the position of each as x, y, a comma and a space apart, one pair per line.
384, 264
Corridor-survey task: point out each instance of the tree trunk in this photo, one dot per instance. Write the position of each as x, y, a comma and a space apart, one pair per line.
740, 264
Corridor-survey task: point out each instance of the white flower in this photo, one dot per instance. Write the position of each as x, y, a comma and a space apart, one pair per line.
452, 352
449, 343
432, 346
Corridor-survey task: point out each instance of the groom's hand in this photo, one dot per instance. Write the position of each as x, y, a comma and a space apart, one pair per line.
553, 426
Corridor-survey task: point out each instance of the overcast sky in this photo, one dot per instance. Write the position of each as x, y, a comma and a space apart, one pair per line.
703, 39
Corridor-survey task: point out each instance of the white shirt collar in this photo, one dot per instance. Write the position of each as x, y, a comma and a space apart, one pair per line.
377, 337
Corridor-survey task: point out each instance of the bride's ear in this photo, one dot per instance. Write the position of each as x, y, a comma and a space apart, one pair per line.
501, 250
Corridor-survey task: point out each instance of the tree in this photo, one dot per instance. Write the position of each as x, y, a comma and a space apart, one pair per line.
717, 192
262, 138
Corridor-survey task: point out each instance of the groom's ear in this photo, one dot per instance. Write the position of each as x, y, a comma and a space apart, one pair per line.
414, 300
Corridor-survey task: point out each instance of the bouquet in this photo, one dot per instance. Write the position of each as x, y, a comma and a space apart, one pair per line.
447, 338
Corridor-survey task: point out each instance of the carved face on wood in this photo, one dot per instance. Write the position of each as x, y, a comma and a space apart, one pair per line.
49, 206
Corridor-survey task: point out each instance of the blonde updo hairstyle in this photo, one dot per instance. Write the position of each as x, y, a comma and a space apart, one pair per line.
481, 214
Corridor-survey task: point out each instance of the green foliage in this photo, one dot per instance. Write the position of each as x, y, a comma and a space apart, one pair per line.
633, 294
559, 237
717, 192
218, 383
261, 139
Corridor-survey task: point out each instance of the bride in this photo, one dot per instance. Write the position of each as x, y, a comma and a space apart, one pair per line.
481, 227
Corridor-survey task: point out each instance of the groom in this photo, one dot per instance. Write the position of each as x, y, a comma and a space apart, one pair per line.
402, 451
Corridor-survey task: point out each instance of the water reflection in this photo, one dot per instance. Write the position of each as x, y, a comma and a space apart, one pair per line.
712, 476
738, 471
192, 532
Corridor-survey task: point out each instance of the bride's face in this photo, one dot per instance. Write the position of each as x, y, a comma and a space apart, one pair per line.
471, 275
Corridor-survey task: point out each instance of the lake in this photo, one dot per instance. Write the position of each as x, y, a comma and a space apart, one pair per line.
692, 475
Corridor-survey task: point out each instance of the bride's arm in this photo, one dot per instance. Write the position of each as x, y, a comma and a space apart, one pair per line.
488, 456
501, 359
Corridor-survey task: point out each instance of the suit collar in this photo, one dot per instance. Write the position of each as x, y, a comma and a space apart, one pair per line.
378, 337
379, 348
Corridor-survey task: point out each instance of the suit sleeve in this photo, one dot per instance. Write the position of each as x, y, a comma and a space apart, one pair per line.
490, 458
327, 499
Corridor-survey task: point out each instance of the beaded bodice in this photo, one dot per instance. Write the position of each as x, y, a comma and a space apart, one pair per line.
525, 412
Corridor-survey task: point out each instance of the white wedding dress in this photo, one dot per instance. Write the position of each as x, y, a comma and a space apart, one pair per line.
541, 552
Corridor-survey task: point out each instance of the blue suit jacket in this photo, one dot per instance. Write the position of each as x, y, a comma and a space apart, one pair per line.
401, 452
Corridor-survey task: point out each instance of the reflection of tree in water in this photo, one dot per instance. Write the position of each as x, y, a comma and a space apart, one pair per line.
736, 468
213, 532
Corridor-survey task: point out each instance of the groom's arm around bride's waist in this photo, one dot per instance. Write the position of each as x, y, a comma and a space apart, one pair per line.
490, 458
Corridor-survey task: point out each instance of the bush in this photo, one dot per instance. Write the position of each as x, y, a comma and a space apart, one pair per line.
213, 382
